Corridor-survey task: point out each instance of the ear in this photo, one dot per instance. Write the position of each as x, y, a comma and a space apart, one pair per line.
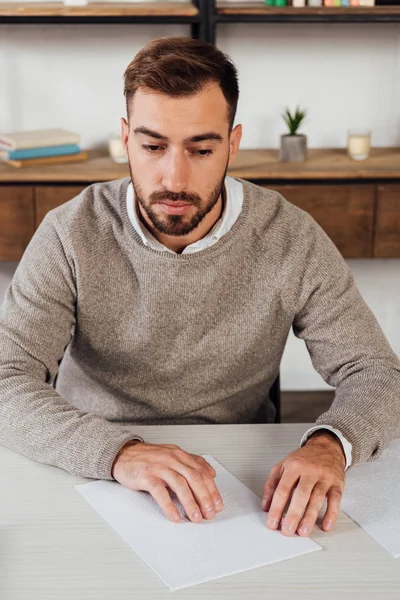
124, 133
234, 143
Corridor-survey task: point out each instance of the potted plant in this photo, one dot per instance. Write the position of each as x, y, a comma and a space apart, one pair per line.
293, 144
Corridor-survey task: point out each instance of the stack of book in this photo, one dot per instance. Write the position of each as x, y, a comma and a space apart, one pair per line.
40, 147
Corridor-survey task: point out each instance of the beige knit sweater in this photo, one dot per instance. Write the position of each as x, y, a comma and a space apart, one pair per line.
150, 338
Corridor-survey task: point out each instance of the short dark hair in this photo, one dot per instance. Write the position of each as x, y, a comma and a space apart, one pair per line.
182, 66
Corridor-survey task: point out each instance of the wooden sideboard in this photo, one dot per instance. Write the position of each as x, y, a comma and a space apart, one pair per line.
357, 204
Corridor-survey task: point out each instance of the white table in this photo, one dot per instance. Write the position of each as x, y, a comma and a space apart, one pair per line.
54, 546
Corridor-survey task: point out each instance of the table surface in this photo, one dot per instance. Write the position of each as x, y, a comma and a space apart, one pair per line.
53, 544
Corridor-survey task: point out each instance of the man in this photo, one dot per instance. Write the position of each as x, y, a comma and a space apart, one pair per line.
169, 297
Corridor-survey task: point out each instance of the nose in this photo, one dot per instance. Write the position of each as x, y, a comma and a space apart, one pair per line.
175, 172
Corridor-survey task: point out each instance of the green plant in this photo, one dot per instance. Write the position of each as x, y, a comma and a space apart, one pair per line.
294, 120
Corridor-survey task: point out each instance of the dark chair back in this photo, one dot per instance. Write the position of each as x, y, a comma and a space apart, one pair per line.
275, 397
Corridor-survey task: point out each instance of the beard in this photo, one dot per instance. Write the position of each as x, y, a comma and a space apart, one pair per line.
177, 225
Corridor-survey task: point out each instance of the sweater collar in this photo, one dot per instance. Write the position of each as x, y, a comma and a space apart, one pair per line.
231, 212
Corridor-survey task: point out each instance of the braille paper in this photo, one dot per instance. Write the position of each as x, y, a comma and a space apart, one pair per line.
184, 554
372, 498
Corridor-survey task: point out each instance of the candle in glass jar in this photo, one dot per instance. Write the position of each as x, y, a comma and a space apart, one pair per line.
117, 150
358, 144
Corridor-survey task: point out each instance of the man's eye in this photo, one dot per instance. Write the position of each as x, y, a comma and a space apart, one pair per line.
202, 152
151, 148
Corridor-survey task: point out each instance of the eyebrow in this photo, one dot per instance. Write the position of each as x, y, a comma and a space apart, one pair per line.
210, 135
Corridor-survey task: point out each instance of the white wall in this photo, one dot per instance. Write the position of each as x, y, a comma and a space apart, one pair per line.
346, 75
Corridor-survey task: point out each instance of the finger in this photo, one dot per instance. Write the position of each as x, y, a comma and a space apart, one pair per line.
202, 461
334, 497
178, 484
160, 494
298, 504
214, 493
198, 463
209, 474
270, 487
281, 497
311, 513
194, 457
202, 486
198, 476
195, 462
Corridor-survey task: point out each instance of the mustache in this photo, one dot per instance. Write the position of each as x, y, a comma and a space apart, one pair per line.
175, 197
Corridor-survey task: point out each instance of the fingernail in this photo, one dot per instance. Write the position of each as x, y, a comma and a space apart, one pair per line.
196, 515
329, 525
304, 529
218, 505
176, 517
210, 510
288, 528
272, 522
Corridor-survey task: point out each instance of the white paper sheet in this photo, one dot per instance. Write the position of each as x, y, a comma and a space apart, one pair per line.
185, 553
372, 498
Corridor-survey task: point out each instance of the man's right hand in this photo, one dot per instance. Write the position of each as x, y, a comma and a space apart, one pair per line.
154, 467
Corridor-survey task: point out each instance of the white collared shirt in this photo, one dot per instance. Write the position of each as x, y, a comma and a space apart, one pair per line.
233, 207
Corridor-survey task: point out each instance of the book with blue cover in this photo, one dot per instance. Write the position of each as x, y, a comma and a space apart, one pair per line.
39, 152
39, 138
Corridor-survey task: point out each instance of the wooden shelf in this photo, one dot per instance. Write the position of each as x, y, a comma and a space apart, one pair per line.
322, 165
203, 16
148, 12
259, 12
99, 167
177, 12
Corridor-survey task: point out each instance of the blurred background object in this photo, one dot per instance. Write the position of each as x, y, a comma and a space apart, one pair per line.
116, 149
359, 144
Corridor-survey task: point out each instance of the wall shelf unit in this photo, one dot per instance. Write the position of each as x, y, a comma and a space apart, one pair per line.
98, 13
203, 16
229, 12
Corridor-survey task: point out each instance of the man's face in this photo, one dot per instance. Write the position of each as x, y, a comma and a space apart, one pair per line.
179, 150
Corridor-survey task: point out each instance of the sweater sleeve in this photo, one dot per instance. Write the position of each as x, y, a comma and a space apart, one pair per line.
36, 322
347, 348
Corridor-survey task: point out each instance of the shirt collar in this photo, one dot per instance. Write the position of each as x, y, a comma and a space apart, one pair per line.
232, 209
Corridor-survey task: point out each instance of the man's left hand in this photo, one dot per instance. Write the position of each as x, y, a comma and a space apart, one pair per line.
306, 477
